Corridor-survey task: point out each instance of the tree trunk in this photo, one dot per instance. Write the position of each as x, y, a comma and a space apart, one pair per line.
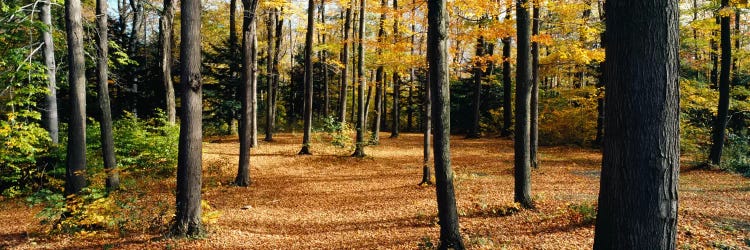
359, 150
187, 221
534, 110
410, 103
308, 78
395, 109
76, 155
426, 177
641, 153
720, 122
345, 70
276, 73
137, 8
714, 77
437, 60
270, 28
105, 126
324, 55
507, 88
51, 69
379, 76
166, 59
249, 82
477, 70
522, 176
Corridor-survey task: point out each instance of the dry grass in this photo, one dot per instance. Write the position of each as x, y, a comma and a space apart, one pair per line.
330, 200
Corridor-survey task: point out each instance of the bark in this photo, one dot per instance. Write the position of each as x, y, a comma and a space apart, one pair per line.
426, 177
105, 125
75, 174
477, 80
51, 69
640, 166
720, 122
522, 176
187, 221
270, 28
345, 70
323, 58
137, 8
249, 82
507, 88
165, 24
308, 78
534, 110
437, 58
276, 73
379, 77
395, 119
410, 104
359, 150
714, 77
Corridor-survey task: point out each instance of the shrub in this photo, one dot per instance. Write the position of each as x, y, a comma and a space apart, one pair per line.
339, 132
583, 213
568, 116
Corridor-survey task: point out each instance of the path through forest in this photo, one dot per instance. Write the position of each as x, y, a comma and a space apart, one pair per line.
330, 200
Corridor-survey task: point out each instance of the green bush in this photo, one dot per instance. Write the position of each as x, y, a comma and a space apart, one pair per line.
568, 116
339, 132
736, 154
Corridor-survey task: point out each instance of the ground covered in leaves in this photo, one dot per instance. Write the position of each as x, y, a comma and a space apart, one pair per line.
331, 200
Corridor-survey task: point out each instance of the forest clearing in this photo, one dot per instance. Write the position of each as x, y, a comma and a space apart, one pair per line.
331, 200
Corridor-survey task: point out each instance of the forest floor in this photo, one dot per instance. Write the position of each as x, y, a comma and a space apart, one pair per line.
331, 200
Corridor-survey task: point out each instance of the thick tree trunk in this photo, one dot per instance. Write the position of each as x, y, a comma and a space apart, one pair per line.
534, 110
522, 176
105, 125
165, 24
51, 69
437, 60
507, 88
76, 155
308, 78
249, 82
477, 70
720, 122
641, 153
345, 70
359, 150
187, 221
270, 28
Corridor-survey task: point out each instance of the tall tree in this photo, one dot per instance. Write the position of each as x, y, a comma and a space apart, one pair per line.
395, 110
249, 82
187, 221
641, 153
270, 29
345, 61
323, 58
76, 155
534, 109
477, 80
359, 150
507, 84
426, 176
276, 74
522, 176
720, 122
137, 7
51, 70
165, 26
308, 78
105, 125
379, 75
437, 60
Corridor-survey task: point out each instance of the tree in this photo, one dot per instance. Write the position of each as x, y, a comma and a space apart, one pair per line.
270, 64
249, 82
76, 155
641, 153
437, 59
108, 143
507, 85
395, 110
308, 78
534, 110
165, 31
49, 62
426, 176
720, 122
359, 150
187, 221
477, 71
345, 61
522, 176
379, 77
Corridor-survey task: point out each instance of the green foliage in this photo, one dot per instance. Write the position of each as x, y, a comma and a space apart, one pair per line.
736, 154
567, 116
91, 210
339, 132
583, 213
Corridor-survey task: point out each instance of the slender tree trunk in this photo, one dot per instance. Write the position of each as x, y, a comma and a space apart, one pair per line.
720, 125
426, 176
534, 110
165, 24
234, 67
187, 221
522, 176
507, 89
324, 55
638, 201
276, 74
714, 77
396, 108
437, 60
410, 104
379, 76
249, 82
270, 28
51, 69
308, 78
137, 8
345, 70
76, 155
105, 126
359, 150
474, 129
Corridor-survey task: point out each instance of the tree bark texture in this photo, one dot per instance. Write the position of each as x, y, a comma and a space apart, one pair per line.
720, 122
105, 125
359, 150
51, 71
249, 80
521, 138
308, 78
76, 155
